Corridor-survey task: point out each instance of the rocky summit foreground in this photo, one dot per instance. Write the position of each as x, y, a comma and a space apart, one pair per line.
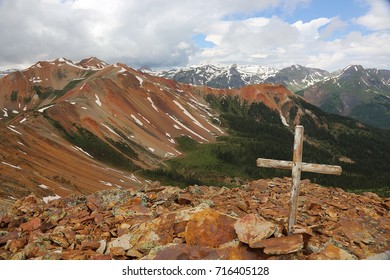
199, 222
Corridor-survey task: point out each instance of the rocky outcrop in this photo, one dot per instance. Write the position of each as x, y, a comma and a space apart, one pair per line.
198, 222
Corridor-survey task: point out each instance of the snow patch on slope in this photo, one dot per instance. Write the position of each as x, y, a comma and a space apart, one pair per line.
13, 129
98, 102
140, 80
152, 103
132, 177
137, 121
81, 150
47, 199
283, 119
186, 128
11, 165
110, 129
188, 114
43, 186
45, 108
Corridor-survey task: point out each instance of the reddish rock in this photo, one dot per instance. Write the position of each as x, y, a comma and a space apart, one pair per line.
122, 231
263, 199
32, 250
80, 255
18, 256
184, 252
14, 245
258, 186
100, 257
60, 240
85, 219
180, 227
331, 252
210, 228
130, 208
117, 251
184, 199
74, 255
281, 245
253, 228
337, 205
87, 244
4, 221
97, 217
359, 226
356, 230
28, 205
386, 205
92, 206
9, 236
243, 252
58, 237
303, 230
69, 234
151, 234
134, 254
165, 228
152, 196
242, 205
47, 225
31, 225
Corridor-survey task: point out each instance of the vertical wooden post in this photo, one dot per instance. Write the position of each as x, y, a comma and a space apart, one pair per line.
296, 177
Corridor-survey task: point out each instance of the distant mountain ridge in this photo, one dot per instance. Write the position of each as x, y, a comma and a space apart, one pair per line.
91, 63
6, 72
355, 91
295, 77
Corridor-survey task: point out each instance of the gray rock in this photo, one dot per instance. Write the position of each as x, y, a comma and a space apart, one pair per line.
381, 256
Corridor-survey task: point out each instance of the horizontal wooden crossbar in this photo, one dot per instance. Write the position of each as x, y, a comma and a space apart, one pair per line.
305, 167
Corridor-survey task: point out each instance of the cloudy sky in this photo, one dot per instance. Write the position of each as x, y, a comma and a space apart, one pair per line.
172, 33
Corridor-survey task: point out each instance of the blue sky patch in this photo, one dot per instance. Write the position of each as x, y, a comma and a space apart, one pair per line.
200, 40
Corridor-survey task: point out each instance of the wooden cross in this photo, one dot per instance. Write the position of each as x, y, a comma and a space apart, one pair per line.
297, 167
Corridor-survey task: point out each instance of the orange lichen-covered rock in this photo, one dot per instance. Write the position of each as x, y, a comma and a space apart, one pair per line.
210, 228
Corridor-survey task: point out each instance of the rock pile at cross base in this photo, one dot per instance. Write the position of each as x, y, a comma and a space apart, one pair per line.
199, 222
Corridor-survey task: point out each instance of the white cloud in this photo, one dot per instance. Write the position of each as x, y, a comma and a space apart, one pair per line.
311, 28
378, 17
160, 33
277, 43
335, 25
136, 32
355, 48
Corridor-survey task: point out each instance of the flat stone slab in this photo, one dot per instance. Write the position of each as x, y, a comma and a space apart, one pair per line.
280, 245
332, 252
253, 228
